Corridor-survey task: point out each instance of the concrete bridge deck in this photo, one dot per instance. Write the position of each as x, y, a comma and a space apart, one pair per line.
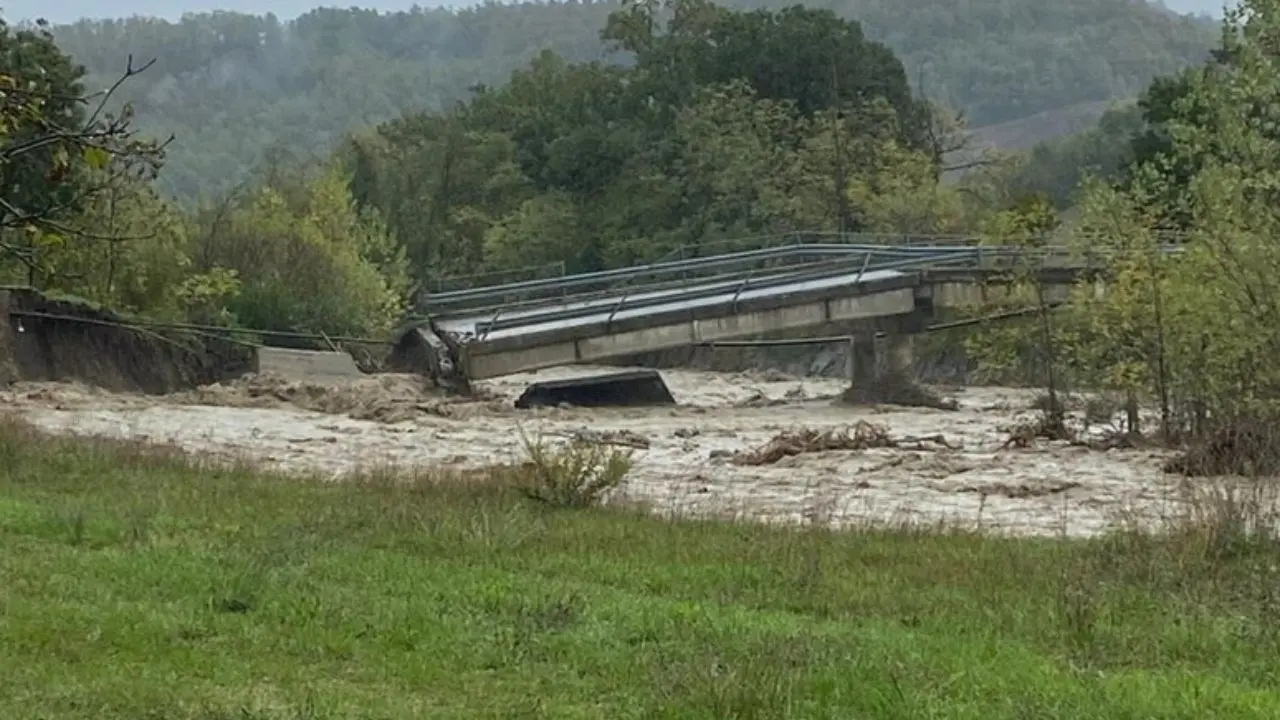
528, 326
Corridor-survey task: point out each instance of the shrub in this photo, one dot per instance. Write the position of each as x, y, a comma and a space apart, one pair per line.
575, 476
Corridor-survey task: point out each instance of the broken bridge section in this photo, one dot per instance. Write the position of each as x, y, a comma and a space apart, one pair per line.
494, 331
424, 350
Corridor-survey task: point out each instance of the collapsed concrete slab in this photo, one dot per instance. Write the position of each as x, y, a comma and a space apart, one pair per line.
306, 365
626, 389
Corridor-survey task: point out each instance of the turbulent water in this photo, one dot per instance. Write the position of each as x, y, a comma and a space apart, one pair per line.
1050, 488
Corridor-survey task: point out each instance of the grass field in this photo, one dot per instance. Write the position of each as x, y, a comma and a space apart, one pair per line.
136, 585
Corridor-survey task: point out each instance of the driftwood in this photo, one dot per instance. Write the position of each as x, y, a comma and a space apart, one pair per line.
861, 436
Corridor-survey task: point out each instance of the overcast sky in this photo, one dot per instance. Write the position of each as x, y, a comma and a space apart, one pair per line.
62, 11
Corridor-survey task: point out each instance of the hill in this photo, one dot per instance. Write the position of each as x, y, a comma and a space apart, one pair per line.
233, 86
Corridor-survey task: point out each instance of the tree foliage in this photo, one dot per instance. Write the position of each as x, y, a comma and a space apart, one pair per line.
1195, 328
308, 260
596, 165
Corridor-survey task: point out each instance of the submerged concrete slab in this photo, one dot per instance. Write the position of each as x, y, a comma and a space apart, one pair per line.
306, 365
625, 389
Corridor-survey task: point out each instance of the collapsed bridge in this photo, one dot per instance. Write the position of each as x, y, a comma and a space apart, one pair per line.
859, 288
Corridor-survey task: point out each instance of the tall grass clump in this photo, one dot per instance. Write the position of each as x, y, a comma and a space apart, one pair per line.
577, 475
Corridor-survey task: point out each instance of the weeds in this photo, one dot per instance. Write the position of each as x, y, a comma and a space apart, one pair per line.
1230, 519
576, 476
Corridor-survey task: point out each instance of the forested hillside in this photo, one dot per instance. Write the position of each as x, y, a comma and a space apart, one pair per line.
232, 87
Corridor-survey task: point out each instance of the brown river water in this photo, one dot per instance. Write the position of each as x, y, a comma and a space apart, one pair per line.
1047, 489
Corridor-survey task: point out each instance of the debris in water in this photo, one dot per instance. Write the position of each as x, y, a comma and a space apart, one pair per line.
624, 438
862, 436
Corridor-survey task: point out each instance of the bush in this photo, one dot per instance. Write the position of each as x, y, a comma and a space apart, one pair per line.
575, 476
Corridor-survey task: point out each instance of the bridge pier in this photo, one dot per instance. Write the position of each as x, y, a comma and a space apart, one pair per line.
874, 360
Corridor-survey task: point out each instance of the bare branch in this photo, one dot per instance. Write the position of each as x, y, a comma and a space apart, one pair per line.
106, 95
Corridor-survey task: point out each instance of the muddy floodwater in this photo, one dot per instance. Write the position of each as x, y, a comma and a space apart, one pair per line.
1050, 488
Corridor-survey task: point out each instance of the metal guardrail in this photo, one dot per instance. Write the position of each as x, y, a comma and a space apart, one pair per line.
715, 262
977, 258
725, 268
820, 271
796, 263
685, 258
513, 295
738, 244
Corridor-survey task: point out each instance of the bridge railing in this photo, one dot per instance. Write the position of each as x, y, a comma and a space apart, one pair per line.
857, 266
758, 242
645, 296
672, 273
458, 292
688, 261
666, 281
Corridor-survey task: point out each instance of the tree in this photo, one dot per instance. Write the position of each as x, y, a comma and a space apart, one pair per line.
543, 230
1200, 329
810, 58
1032, 346
439, 185
318, 263
231, 85
60, 148
736, 162
132, 253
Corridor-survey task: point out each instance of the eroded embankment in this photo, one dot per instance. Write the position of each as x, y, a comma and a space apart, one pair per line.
942, 465
59, 340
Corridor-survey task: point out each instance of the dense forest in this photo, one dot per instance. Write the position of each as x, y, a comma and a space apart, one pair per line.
723, 124
234, 87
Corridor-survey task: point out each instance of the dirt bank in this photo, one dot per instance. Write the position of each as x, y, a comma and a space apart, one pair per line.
49, 339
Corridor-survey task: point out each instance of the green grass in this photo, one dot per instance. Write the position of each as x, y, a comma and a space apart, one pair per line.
135, 585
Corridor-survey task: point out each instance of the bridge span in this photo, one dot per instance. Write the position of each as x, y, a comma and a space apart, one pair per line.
521, 326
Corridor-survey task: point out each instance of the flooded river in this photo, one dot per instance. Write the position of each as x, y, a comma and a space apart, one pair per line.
393, 420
